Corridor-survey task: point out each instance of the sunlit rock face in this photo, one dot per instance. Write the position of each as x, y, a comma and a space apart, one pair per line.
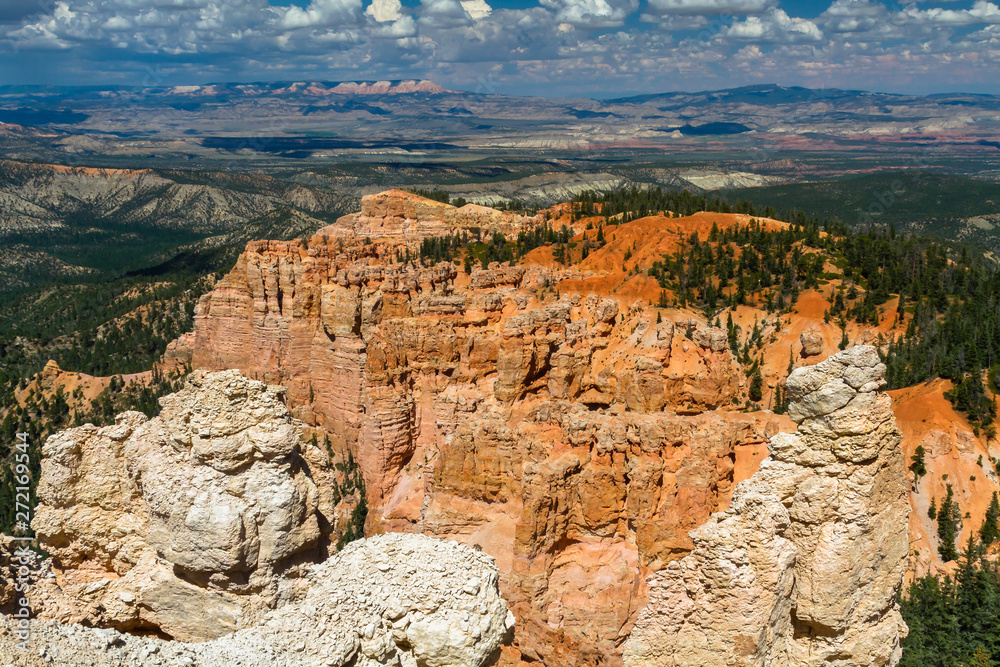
806, 565
392, 601
182, 523
572, 436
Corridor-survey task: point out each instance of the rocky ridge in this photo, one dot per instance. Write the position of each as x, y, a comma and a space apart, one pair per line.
805, 566
42, 198
391, 600
399, 214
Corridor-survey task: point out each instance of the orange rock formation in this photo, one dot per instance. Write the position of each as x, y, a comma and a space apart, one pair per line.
545, 413
570, 436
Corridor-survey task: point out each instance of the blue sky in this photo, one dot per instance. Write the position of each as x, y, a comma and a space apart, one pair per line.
596, 48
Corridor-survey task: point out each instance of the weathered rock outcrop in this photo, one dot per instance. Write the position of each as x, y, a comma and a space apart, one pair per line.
9, 565
806, 565
812, 342
179, 524
399, 214
394, 600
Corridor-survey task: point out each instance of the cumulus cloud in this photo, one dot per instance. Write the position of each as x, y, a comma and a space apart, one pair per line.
477, 9
981, 12
443, 13
853, 16
401, 28
710, 7
384, 11
322, 13
552, 46
868, 20
774, 26
591, 13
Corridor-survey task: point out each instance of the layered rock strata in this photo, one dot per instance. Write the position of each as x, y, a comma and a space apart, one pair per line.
190, 524
392, 600
574, 440
806, 565
399, 214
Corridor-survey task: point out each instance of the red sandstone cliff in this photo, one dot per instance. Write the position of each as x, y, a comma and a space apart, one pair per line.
570, 436
539, 411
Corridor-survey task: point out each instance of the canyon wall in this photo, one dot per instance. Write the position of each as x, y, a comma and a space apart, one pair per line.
575, 440
542, 413
806, 565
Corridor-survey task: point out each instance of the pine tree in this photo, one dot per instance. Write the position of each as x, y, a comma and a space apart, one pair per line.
917, 465
733, 334
948, 517
756, 386
989, 533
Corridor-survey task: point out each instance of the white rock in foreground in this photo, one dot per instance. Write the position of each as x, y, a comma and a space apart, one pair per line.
190, 523
399, 600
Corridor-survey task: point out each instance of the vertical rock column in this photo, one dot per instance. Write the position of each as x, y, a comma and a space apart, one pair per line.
805, 566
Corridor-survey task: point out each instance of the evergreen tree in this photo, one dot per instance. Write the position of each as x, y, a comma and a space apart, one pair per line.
948, 517
756, 386
917, 464
989, 533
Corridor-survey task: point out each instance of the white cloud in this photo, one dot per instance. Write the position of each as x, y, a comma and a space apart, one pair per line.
860, 19
987, 12
710, 7
556, 46
384, 11
774, 26
443, 13
322, 13
477, 9
981, 12
405, 26
592, 13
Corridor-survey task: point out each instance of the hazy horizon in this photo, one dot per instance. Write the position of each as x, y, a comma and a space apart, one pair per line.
624, 94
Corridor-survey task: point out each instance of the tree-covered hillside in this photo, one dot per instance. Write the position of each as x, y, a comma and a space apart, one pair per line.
953, 208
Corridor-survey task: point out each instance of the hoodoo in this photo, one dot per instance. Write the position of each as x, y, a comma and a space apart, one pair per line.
806, 565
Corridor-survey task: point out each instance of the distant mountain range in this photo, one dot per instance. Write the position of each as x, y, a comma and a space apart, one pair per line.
352, 138
253, 89
421, 115
774, 95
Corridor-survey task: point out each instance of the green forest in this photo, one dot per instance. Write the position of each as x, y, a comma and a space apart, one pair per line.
920, 202
954, 621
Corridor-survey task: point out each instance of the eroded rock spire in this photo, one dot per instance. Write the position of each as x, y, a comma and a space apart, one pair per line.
806, 565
